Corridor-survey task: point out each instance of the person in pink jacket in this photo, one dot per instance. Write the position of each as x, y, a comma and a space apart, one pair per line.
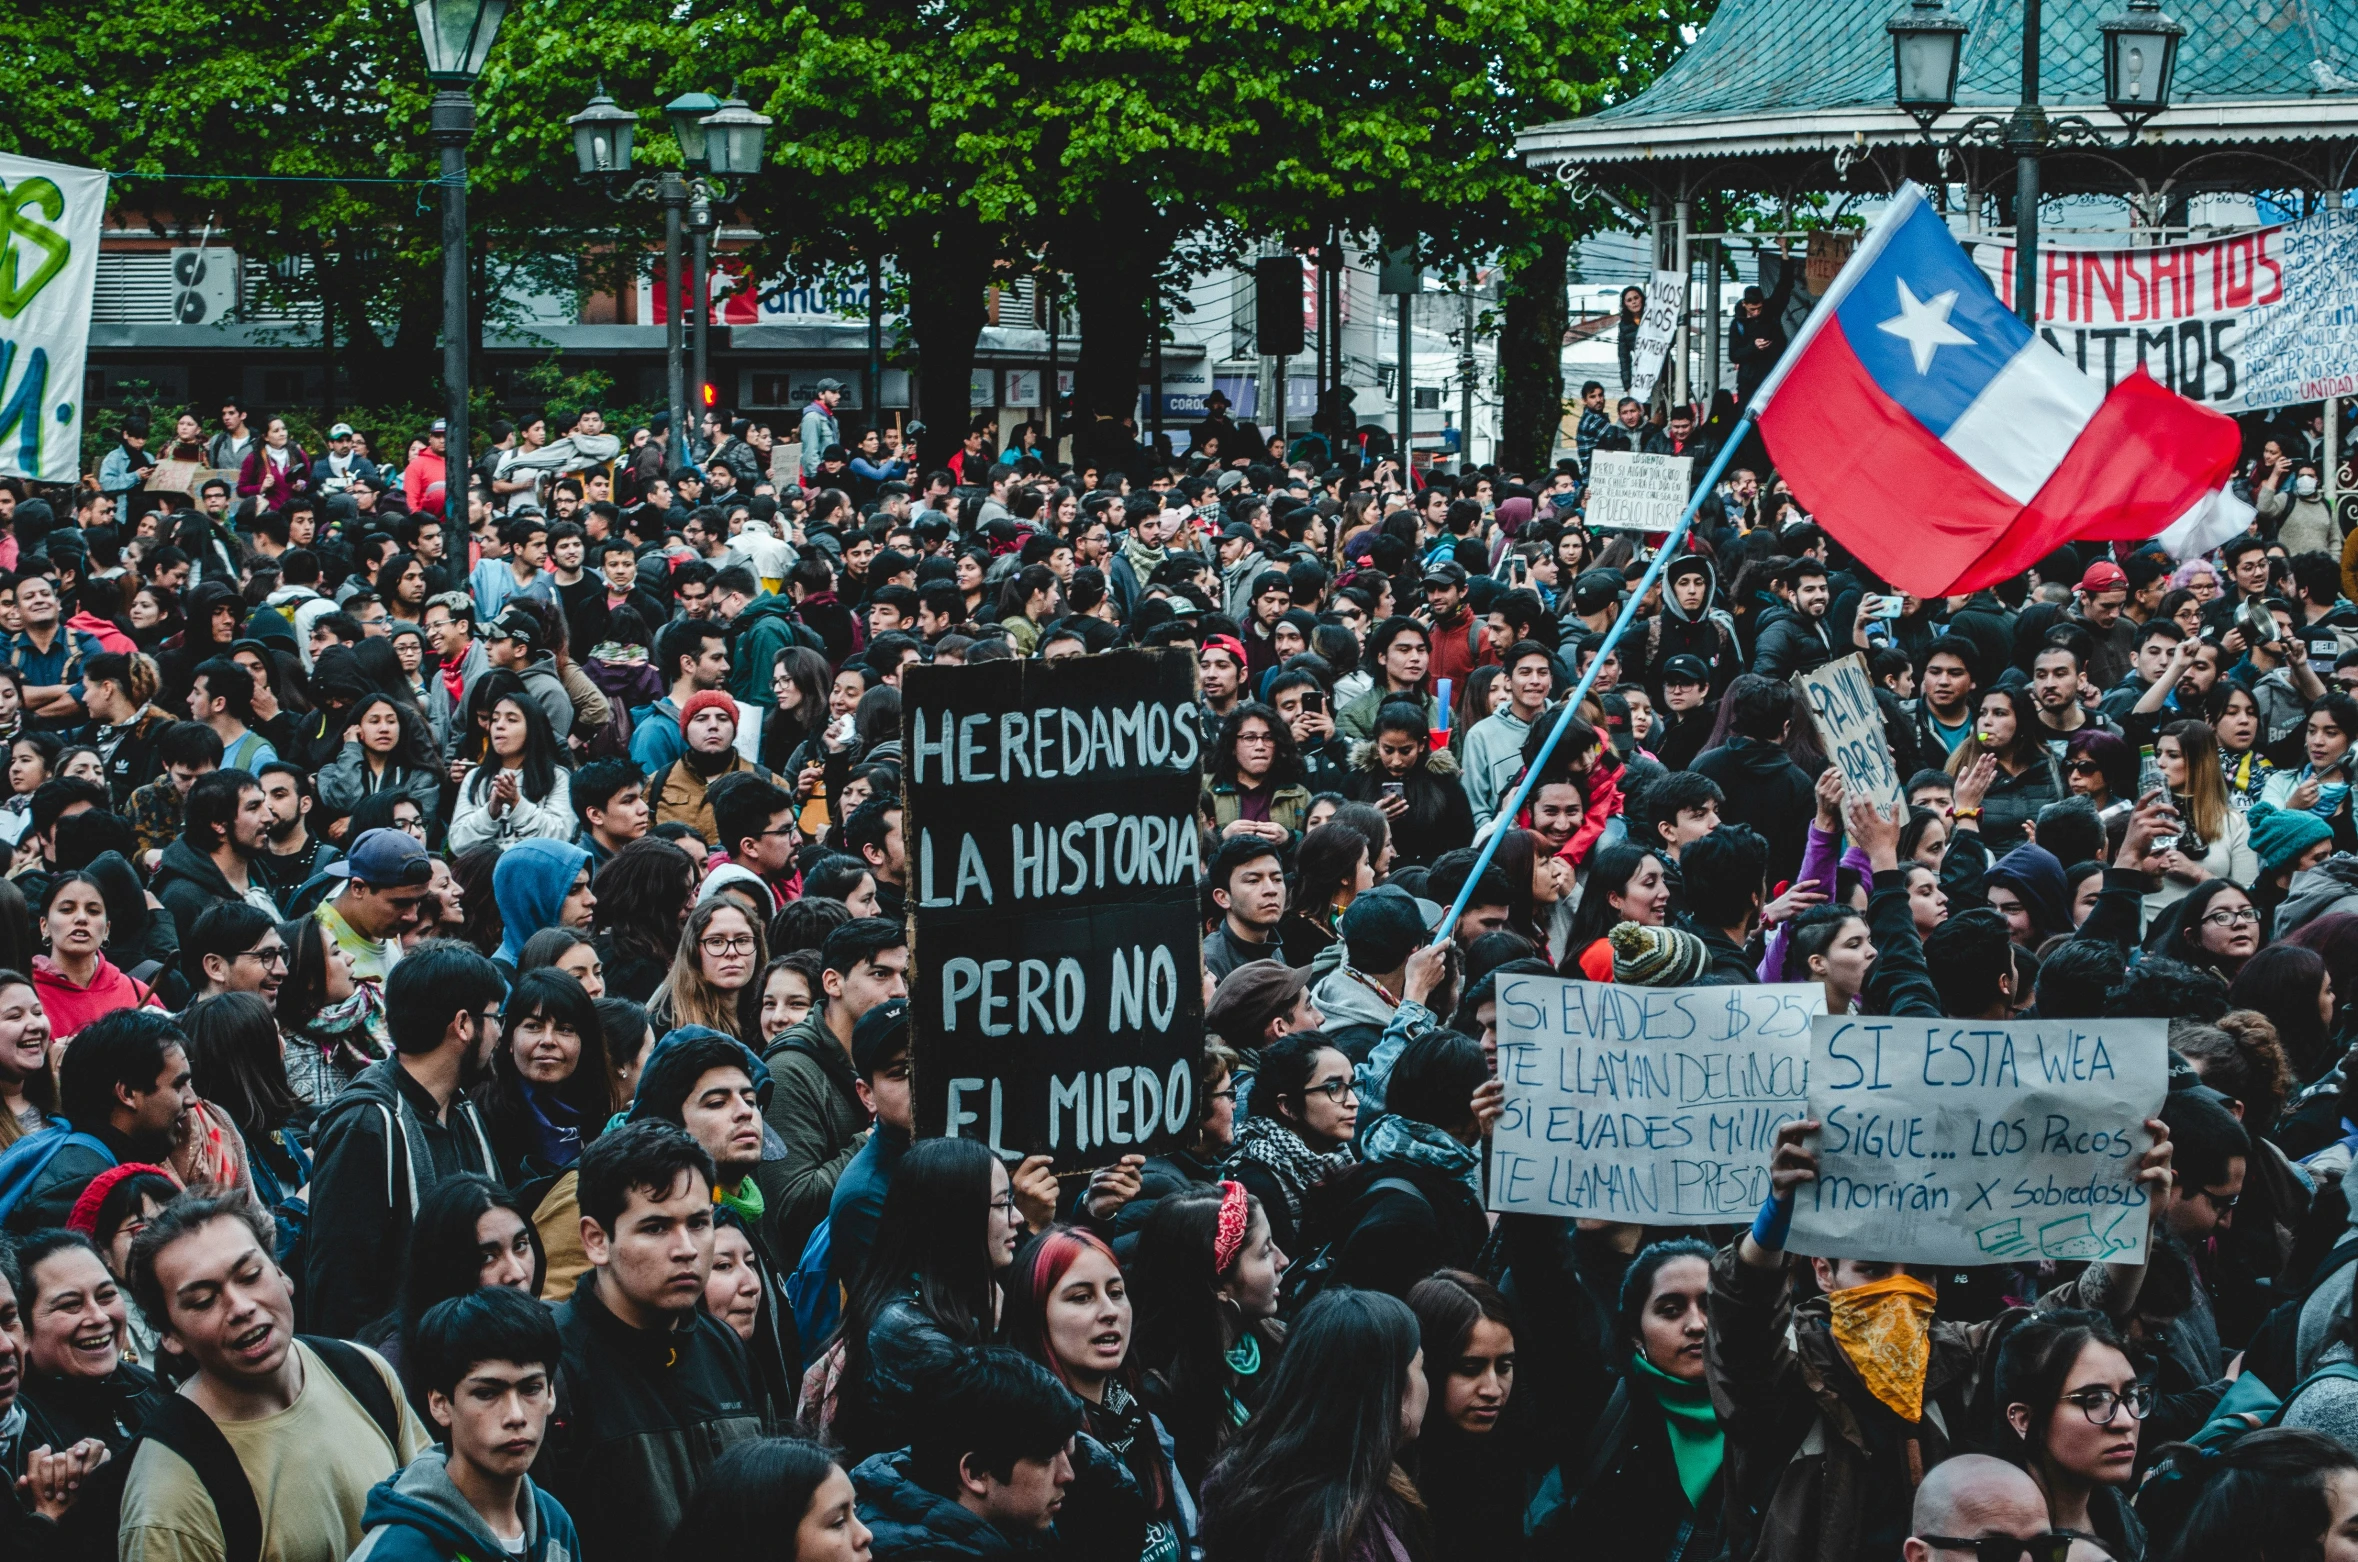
76, 981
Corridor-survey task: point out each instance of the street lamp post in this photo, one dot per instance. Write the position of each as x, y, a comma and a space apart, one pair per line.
2140, 54
456, 36
715, 138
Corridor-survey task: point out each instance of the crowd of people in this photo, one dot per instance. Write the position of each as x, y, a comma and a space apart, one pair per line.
456, 1048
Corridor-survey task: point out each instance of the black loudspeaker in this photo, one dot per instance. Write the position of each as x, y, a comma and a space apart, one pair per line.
1277, 304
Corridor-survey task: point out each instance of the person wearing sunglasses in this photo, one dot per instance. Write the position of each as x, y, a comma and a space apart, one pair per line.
2075, 1407
1979, 1506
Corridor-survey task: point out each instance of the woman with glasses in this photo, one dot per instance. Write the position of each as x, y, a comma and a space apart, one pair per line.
1253, 779
2100, 767
711, 981
2216, 928
2073, 1406
1414, 1203
1305, 1113
930, 1285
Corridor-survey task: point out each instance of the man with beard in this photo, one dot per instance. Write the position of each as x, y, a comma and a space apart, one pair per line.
212, 860
291, 855
401, 1128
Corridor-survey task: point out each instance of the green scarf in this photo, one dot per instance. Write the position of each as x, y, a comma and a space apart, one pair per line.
745, 1201
1696, 1443
1143, 559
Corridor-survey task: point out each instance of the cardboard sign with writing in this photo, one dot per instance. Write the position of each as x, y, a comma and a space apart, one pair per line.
1632, 492
1841, 696
1666, 300
1656, 1106
1056, 982
1975, 1142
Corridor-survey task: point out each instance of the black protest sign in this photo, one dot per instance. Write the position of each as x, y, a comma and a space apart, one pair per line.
1057, 952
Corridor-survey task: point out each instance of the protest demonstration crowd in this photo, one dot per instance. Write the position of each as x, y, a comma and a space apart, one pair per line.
463, 1058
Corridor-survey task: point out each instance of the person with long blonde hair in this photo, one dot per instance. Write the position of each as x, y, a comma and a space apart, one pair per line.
711, 975
2215, 840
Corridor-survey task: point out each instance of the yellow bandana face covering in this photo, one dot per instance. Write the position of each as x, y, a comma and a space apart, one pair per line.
1884, 1328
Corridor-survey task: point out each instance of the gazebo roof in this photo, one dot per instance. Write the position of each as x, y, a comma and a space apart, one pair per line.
1789, 81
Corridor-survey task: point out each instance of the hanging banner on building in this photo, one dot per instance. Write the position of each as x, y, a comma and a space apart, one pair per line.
2305, 348
1666, 300
48, 272
1057, 951
1633, 492
1850, 728
2181, 310
1652, 1105
1974, 1142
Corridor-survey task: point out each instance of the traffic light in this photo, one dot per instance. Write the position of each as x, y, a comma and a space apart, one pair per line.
1277, 304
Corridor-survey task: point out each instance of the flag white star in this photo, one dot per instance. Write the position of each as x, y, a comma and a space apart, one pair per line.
1923, 323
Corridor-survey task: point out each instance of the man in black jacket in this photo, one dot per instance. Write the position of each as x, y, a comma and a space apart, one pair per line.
1793, 637
1726, 886
652, 1389
401, 1128
1762, 785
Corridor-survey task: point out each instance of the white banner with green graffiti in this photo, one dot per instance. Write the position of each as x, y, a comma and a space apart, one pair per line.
47, 274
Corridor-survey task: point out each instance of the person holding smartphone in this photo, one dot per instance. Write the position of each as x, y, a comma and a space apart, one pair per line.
1309, 713
2321, 786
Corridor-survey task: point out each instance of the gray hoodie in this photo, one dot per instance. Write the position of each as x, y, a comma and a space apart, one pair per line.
417, 1514
2316, 892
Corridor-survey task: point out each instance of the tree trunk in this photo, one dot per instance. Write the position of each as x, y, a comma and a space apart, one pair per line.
1531, 358
1112, 256
948, 267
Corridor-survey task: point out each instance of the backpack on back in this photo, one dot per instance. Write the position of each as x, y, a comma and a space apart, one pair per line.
185, 1429
22, 1164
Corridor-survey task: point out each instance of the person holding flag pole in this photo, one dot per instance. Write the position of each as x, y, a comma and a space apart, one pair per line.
1947, 445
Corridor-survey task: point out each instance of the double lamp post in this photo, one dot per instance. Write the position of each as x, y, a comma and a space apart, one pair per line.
2140, 52
718, 139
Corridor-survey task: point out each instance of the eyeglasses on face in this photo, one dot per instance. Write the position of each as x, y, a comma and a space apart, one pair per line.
2239, 916
2224, 1203
734, 944
2083, 767
276, 954
1335, 1089
2100, 1405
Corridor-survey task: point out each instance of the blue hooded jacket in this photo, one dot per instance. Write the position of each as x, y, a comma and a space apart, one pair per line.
530, 884
416, 1514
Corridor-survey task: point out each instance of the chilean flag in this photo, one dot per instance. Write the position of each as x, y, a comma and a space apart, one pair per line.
1948, 447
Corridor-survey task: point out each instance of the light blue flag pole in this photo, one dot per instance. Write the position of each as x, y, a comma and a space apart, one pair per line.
1629, 610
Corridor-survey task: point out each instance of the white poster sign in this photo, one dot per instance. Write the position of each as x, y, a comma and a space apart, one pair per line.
1632, 492
1657, 1106
1850, 728
2305, 348
48, 270
1975, 1142
1023, 387
1666, 300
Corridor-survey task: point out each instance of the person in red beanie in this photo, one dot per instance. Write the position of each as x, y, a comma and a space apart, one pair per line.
680, 790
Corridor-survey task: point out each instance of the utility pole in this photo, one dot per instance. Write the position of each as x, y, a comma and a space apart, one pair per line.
1465, 380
